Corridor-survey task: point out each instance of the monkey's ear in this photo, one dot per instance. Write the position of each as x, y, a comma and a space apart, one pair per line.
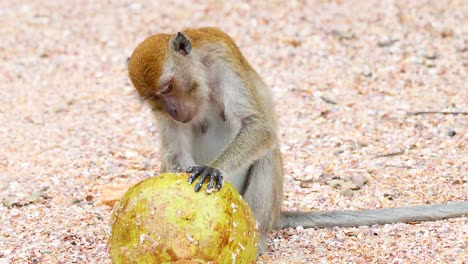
181, 44
127, 62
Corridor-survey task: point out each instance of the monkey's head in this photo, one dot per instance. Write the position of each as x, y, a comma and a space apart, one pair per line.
165, 74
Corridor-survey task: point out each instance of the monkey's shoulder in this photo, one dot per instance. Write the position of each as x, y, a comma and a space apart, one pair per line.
219, 44
206, 35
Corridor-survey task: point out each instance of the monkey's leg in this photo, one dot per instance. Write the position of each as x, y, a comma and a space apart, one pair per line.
173, 165
174, 154
264, 193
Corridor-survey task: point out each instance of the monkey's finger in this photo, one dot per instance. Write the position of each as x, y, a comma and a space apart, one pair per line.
219, 184
190, 169
203, 176
195, 173
213, 176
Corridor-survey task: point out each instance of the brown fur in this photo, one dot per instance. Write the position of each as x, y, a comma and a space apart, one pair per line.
145, 66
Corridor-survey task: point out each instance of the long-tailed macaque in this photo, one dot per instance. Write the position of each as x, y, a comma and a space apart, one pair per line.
216, 120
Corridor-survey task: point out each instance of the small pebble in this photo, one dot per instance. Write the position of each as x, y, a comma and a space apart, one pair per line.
451, 133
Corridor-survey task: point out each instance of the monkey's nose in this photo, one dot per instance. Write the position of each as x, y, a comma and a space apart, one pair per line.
173, 111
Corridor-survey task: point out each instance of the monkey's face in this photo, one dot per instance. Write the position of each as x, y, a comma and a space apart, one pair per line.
162, 73
178, 97
172, 99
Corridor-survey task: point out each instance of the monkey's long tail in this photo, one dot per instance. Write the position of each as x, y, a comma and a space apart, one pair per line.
375, 216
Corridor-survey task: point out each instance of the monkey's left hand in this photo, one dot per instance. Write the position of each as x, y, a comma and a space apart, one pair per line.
204, 172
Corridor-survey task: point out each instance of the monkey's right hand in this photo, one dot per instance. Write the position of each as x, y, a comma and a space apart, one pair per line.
204, 172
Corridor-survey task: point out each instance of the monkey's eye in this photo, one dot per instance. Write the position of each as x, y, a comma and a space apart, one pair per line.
151, 97
166, 89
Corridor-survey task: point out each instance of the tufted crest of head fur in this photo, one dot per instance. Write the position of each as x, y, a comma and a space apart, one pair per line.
146, 63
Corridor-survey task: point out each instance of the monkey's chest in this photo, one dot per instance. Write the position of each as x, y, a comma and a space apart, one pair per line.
210, 137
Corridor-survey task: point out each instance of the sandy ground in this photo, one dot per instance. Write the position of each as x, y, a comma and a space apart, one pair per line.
345, 75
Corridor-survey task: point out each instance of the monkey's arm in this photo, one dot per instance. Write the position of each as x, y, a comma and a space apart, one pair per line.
252, 141
374, 217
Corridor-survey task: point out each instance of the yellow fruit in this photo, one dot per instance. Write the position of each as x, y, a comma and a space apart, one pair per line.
162, 219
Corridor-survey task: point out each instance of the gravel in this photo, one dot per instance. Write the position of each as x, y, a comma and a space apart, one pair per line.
347, 76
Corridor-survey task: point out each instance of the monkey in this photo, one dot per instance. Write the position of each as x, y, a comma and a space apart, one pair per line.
216, 121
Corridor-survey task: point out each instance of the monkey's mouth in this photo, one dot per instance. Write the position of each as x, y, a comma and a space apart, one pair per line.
182, 120
187, 119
